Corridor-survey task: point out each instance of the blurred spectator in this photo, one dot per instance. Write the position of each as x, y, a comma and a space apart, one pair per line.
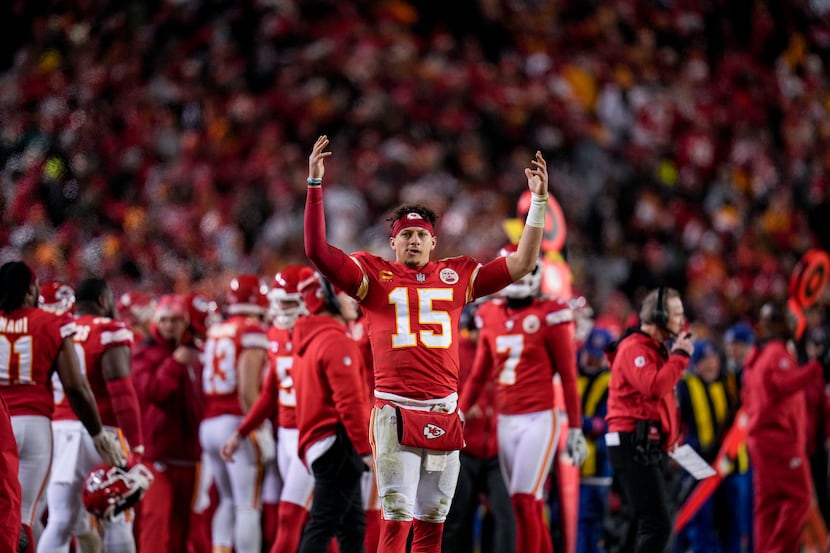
595, 481
703, 406
126, 131
736, 489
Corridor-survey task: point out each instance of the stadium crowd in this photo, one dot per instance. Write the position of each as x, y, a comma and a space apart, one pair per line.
161, 145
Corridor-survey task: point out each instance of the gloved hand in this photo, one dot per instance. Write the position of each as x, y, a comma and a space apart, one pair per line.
109, 448
576, 446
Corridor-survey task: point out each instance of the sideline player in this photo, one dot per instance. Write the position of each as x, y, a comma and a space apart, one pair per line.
524, 341
413, 306
103, 346
235, 357
34, 343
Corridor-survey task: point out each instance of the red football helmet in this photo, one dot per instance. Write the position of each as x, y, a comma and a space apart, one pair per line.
110, 491
286, 301
203, 313
247, 294
529, 285
57, 297
136, 308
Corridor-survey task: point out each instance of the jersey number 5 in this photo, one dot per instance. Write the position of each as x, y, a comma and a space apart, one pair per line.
404, 337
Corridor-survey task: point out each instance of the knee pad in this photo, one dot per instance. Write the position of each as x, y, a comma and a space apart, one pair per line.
396, 506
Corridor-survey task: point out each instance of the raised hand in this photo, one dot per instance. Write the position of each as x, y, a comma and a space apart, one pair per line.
537, 176
316, 161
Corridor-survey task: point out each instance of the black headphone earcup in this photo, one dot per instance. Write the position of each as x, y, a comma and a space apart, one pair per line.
660, 316
330, 301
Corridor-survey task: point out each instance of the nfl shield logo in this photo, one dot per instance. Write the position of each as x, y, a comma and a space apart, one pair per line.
420, 277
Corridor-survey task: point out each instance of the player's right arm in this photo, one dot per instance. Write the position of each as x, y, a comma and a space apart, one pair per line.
115, 368
333, 262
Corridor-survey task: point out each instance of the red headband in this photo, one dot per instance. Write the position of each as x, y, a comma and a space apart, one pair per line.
411, 219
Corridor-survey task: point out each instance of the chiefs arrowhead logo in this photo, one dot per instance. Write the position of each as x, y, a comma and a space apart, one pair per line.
432, 431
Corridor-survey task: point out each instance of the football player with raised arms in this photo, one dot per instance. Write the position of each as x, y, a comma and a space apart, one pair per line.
525, 340
36, 342
103, 346
412, 306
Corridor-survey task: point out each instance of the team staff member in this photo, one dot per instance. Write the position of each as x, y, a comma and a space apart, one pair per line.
332, 417
773, 396
642, 413
413, 306
167, 377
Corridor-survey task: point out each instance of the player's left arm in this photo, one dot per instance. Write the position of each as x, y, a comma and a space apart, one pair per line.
115, 368
562, 352
524, 259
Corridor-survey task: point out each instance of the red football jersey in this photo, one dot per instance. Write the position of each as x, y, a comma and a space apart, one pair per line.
29, 342
412, 317
94, 335
225, 341
523, 349
281, 359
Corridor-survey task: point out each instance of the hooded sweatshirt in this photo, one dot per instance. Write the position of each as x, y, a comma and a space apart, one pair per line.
328, 378
172, 405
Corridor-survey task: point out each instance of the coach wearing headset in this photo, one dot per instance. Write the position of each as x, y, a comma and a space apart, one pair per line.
642, 413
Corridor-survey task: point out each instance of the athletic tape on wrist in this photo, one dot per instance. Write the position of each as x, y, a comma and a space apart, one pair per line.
537, 212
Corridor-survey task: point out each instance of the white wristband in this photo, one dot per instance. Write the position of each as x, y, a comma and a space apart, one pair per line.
538, 211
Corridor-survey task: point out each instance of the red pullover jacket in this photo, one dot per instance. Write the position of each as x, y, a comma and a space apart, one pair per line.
774, 398
328, 379
170, 395
643, 377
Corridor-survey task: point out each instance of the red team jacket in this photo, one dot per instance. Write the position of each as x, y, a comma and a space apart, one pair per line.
172, 405
522, 349
643, 376
328, 381
774, 399
34, 337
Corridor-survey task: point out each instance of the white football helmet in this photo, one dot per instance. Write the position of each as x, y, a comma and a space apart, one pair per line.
286, 303
529, 285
